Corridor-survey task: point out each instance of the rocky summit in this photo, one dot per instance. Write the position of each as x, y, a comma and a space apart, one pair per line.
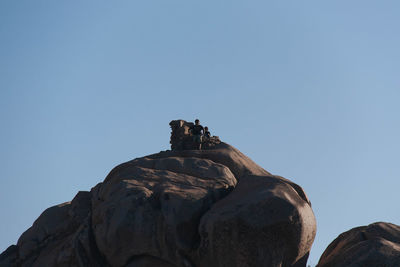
188, 208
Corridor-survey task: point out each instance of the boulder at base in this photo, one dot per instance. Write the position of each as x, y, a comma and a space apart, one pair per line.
183, 208
377, 244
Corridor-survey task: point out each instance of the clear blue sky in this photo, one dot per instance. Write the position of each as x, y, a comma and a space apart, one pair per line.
308, 89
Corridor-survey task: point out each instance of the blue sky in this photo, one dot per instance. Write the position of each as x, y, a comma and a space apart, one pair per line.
308, 89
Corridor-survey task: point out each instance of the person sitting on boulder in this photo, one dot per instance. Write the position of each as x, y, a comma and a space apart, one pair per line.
207, 134
197, 131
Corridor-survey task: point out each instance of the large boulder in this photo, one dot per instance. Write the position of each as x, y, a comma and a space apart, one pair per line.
61, 236
377, 244
184, 208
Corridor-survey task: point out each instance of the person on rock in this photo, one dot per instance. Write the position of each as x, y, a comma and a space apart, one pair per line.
197, 132
207, 134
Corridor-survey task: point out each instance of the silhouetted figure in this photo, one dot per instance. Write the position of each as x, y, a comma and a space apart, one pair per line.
197, 132
207, 134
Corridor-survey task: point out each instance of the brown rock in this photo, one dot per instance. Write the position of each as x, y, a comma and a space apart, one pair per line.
9, 257
263, 222
186, 208
157, 203
61, 236
377, 244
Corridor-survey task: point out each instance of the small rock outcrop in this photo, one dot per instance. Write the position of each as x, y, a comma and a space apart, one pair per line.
187, 208
377, 244
181, 138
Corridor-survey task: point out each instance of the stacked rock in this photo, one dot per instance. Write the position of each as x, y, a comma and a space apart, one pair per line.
182, 139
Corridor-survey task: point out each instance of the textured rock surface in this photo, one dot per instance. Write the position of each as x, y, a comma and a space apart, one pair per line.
377, 244
176, 208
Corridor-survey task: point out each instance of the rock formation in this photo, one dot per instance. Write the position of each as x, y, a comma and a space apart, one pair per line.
181, 138
377, 244
187, 208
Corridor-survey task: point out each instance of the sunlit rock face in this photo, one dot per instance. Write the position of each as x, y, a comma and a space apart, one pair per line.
188, 208
377, 244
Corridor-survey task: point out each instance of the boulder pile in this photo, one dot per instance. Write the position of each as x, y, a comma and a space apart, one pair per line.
186, 208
